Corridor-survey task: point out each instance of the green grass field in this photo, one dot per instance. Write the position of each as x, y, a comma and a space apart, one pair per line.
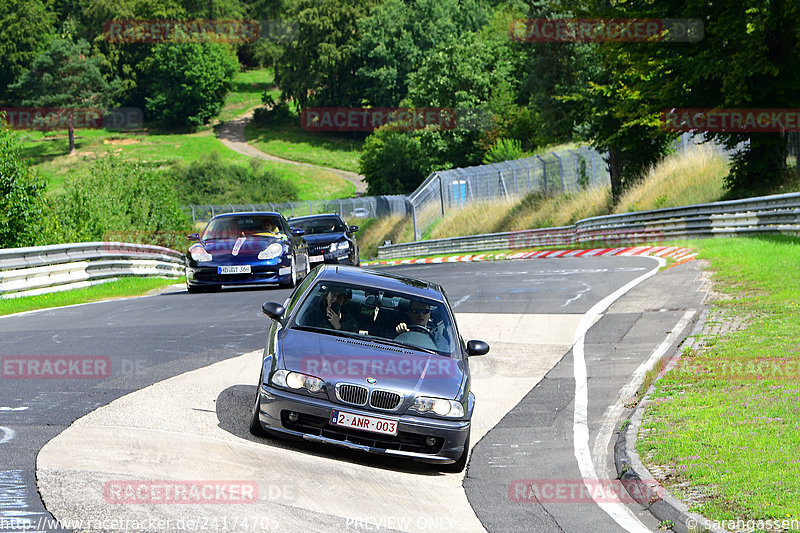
294, 143
114, 289
724, 423
248, 86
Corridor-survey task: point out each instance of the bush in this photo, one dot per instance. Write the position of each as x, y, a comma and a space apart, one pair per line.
274, 113
22, 204
503, 150
187, 82
121, 200
210, 180
392, 162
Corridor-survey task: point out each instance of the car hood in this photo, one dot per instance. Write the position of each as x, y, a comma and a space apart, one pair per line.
337, 359
249, 246
324, 238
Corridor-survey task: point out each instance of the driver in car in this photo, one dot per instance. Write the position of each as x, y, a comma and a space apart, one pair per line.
419, 319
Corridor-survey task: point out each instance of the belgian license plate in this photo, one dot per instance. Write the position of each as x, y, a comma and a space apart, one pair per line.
234, 269
316, 258
365, 423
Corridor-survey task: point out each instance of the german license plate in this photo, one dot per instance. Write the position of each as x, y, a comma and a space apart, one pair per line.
234, 269
364, 423
316, 258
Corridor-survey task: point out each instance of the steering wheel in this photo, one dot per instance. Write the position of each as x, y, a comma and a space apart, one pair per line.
423, 329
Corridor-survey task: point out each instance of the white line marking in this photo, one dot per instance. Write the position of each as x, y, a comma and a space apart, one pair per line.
461, 301
620, 513
626, 392
8, 434
13, 408
580, 293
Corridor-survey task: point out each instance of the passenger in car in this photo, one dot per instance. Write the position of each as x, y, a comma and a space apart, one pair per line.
330, 312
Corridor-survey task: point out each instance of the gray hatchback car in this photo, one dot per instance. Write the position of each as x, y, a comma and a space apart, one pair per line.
368, 361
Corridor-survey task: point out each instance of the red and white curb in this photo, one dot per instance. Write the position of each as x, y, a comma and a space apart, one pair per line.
680, 255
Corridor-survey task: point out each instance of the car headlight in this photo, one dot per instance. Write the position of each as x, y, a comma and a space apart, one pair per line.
271, 252
199, 254
336, 246
296, 380
438, 406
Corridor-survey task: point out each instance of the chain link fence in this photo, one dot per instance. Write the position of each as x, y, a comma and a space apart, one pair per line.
362, 207
556, 172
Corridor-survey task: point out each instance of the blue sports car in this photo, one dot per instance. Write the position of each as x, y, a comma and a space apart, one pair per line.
368, 361
246, 249
330, 239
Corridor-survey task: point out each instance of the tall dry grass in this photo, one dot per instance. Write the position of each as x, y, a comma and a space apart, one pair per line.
373, 234
695, 176
474, 219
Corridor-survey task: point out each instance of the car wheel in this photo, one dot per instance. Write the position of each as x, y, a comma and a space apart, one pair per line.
461, 463
255, 424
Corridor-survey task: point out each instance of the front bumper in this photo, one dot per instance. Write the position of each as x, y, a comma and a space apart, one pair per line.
208, 276
313, 425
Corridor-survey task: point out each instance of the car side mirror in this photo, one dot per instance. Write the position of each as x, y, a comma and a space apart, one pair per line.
297, 231
354, 228
193, 237
477, 348
274, 311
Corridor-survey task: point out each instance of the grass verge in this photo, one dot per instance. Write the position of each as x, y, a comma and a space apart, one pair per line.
723, 424
114, 289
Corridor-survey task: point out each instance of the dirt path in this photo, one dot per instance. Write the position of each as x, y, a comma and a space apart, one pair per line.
232, 135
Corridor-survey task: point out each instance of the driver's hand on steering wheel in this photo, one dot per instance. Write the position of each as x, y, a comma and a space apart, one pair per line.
401, 327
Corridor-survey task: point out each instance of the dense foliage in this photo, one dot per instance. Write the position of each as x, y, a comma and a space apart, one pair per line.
22, 204
210, 180
121, 200
188, 82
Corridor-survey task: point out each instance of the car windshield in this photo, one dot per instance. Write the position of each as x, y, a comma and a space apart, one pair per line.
313, 226
382, 316
234, 227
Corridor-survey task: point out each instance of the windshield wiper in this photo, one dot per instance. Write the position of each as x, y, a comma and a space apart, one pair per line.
335, 332
381, 340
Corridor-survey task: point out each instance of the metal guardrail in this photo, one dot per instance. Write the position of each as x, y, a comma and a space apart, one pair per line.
45, 269
777, 214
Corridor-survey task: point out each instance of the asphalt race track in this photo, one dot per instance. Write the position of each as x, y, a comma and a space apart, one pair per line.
175, 375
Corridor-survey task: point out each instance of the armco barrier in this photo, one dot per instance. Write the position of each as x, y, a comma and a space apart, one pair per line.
767, 214
44, 269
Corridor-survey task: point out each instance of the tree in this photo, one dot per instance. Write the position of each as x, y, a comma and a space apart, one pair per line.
27, 28
398, 35
748, 58
474, 77
318, 67
392, 162
188, 82
66, 77
22, 204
